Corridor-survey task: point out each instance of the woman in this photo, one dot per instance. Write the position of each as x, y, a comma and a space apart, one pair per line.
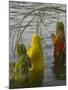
59, 48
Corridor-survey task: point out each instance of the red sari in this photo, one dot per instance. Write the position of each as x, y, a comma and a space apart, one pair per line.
58, 50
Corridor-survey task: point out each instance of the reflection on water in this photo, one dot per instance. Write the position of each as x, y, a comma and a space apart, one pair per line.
49, 13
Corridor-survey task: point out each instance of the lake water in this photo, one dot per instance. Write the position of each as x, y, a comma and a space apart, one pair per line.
49, 13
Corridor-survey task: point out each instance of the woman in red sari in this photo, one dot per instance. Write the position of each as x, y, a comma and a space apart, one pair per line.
59, 48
